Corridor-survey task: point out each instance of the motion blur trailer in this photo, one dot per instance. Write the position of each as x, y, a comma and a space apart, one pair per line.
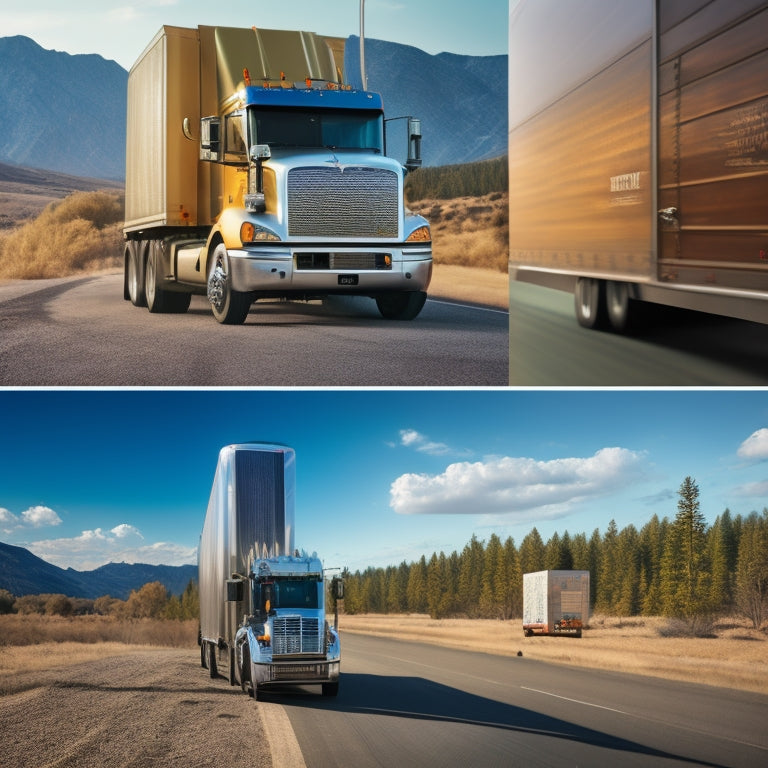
262, 605
638, 157
253, 171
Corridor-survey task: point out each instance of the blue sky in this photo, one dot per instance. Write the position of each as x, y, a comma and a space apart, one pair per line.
383, 476
121, 30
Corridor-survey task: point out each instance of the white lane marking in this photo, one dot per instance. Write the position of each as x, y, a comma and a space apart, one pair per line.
469, 306
577, 701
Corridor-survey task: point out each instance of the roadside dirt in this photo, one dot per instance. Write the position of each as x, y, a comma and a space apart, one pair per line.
145, 709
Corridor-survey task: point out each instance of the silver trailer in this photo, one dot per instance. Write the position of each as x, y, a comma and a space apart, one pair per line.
555, 602
262, 605
638, 160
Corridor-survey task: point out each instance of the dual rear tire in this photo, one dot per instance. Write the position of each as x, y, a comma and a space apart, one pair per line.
604, 303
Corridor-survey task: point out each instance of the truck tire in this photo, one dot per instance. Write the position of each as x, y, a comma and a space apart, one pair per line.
331, 689
245, 672
589, 302
135, 273
618, 305
405, 305
212, 671
160, 301
203, 660
229, 307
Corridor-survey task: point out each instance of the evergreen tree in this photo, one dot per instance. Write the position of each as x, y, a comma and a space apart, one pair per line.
470, 577
752, 569
606, 594
514, 588
685, 565
416, 592
190, 601
532, 552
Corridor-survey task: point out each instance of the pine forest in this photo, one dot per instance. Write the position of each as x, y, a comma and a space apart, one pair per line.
679, 568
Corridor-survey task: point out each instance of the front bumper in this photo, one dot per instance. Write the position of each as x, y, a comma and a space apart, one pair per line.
297, 672
272, 270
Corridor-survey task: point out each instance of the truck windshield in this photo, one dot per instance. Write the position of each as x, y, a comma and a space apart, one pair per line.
299, 593
337, 129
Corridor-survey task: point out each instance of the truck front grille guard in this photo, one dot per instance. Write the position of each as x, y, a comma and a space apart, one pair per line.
343, 201
293, 635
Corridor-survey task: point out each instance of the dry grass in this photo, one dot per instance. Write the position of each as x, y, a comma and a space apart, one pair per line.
469, 231
735, 658
34, 643
81, 233
33, 629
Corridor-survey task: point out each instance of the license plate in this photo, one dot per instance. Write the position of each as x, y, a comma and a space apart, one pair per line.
349, 279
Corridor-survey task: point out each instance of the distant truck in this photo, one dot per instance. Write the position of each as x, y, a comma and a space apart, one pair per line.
555, 602
262, 606
638, 155
253, 171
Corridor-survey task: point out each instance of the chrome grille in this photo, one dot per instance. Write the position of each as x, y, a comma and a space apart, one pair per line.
353, 202
295, 634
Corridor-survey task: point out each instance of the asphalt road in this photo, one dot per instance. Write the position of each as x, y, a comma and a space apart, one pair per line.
678, 348
80, 332
409, 704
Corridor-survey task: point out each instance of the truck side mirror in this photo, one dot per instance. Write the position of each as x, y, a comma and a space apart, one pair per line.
414, 144
210, 143
337, 588
234, 590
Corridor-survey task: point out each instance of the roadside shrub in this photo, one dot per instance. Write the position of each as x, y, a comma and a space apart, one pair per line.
58, 605
82, 232
694, 626
6, 601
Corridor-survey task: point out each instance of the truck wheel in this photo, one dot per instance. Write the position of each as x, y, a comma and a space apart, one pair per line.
245, 672
203, 660
160, 301
405, 305
589, 302
330, 689
618, 305
229, 307
212, 660
135, 274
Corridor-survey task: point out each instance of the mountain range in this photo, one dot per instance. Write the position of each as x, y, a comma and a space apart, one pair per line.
23, 573
67, 113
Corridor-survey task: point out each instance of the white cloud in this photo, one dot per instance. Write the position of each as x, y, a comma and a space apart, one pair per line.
518, 486
123, 530
410, 438
757, 490
38, 516
33, 517
122, 544
755, 446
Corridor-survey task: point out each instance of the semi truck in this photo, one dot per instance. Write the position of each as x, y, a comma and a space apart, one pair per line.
263, 621
555, 602
254, 171
638, 155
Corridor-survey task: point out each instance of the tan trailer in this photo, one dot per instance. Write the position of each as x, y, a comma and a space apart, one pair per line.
638, 154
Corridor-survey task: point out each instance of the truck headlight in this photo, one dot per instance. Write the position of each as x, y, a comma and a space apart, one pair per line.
420, 235
255, 233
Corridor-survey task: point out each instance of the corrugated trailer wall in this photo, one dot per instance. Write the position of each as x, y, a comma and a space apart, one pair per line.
250, 514
713, 142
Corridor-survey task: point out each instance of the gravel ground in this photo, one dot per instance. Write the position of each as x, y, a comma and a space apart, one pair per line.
151, 708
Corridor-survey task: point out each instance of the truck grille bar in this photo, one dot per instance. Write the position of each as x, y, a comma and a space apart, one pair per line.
295, 635
342, 202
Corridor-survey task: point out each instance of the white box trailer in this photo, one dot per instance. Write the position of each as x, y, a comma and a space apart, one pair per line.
638, 160
555, 602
